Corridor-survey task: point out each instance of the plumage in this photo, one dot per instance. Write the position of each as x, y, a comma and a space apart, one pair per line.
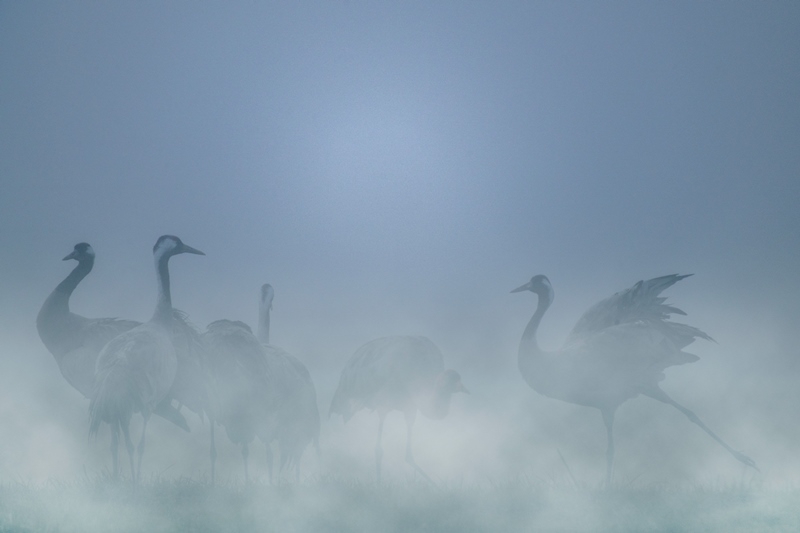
401, 373
618, 349
297, 422
191, 384
135, 370
240, 385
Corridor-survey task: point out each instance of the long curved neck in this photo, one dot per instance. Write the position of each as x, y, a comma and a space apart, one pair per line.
59, 298
529, 351
163, 312
263, 322
54, 319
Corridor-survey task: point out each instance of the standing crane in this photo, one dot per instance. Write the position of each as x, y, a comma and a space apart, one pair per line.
297, 421
396, 373
240, 384
135, 370
75, 341
618, 349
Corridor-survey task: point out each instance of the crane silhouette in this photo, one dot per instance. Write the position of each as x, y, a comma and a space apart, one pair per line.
241, 386
296, 413
135, 370
617, 350
75, 341
400, 373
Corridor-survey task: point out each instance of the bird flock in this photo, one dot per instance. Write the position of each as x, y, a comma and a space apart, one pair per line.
238, 381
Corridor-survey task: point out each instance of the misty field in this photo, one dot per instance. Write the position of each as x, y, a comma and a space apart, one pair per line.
321, 505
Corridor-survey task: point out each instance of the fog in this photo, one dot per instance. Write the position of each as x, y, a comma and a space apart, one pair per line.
396, 169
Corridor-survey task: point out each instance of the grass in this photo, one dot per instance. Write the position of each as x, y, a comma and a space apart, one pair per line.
340, 505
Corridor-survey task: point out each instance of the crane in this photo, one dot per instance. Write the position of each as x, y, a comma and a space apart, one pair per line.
296, 414
135, 370
240, 383
617, 350
401, 373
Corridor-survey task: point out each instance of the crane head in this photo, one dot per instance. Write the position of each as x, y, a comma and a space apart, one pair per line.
449, 382
267, 294
81, 252
169, 245
539, 285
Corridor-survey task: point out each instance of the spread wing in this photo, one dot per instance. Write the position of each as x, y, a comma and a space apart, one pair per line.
638, 304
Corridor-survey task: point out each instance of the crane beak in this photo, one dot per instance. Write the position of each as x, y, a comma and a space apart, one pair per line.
525, 287
185, 249
461, 388
73, 255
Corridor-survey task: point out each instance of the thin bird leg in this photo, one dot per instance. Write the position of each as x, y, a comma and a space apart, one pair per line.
411, 416
245, 454
378, 449
115, 449
141, 448
125, 425
661, 396
269, 461
213, 452
608, 420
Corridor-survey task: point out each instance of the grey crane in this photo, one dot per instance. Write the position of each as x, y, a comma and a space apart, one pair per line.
135, 370
401, 373
240, 384
75, 341
297, 421
617, 350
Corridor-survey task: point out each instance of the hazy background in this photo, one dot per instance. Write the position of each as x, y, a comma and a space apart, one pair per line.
398, 168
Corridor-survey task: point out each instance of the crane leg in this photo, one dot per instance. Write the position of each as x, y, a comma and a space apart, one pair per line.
128, 445
140, 449
115, 449
661, 396
269, 462
378, 449
213, 453
411, 416
245, 454
608, 420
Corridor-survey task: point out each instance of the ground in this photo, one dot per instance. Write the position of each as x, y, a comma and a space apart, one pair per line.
338, 505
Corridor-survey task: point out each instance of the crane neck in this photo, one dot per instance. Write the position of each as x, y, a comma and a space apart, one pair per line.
51, 320
62, 292
263, 322
163, 312
529, 351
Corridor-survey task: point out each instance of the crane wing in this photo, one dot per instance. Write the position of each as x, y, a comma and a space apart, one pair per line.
98, 332
640, 303
296, 412
393, 365
615, 364
144, 360
190, 387
242, 391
